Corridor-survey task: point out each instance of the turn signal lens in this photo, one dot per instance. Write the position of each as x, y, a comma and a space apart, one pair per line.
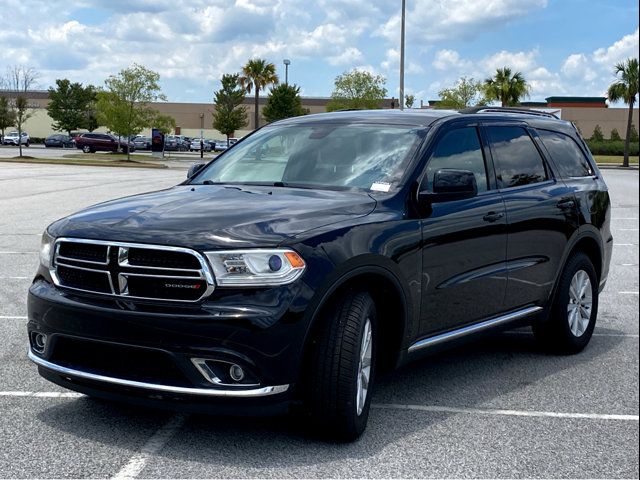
294, 259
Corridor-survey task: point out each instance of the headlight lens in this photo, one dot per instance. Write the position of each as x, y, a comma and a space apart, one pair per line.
244, 268
46, 246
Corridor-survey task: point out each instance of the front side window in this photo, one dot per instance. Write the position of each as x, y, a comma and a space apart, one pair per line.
459, 149
371, 157
566, 154
518, 160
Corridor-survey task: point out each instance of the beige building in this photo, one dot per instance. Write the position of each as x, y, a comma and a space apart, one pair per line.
192, 118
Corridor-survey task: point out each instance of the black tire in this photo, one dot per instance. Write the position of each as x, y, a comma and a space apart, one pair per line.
555, 333
331, 386
87, 149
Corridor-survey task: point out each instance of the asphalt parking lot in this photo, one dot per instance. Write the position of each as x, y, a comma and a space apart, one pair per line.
496, 408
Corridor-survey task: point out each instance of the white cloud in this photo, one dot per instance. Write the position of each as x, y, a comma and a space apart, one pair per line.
624, 48
439, 20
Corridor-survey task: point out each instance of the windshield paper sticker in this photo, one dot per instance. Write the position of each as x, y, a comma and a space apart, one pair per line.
380, 186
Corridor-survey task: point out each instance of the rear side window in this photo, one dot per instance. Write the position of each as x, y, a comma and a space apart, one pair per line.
518, 160
566, 153
459, 149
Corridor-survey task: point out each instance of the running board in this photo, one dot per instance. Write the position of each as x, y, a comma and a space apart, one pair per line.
471, 329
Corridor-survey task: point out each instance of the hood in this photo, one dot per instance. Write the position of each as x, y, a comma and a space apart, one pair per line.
214, 216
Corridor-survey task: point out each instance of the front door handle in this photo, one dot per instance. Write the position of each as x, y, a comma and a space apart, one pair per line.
566, 204
493, 217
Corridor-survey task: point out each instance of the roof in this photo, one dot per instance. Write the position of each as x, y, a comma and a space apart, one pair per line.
576, 99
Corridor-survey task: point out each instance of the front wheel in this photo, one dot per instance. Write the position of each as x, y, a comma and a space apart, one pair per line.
342, 368
86, 149
574, 311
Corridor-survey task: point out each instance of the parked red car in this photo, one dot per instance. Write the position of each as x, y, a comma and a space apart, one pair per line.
94, 142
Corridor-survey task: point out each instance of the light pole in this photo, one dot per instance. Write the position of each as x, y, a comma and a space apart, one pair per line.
404, 4
286, 62
201, 135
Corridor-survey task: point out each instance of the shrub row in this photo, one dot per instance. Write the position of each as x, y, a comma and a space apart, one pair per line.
611, 147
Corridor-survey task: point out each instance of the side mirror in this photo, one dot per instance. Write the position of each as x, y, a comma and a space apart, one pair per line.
195, 168
449, 185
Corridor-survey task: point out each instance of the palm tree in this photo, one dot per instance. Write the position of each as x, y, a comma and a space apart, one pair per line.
256, 75
625, 89
507, 88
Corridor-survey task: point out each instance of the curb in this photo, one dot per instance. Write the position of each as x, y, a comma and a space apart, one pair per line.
609, 166
87, 163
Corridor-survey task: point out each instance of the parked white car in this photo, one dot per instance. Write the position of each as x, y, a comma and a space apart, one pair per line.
11, 138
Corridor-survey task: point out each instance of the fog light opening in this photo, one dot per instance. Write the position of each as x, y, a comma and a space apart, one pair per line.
236, 373
39, 341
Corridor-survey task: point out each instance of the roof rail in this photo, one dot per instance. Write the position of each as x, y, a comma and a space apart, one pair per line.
523, 111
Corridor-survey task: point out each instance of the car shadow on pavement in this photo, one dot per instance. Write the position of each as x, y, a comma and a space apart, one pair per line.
475, 375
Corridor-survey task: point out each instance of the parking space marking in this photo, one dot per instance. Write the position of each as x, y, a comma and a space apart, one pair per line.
20, 393
628, 293
626, 229
157, 442
509, 413
12, 317
17, 253
625, 244
14, 278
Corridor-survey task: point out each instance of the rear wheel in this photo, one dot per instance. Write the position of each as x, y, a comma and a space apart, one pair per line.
575, 309
342, 369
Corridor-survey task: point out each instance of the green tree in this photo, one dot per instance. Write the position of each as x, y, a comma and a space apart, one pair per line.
70, 105
165, 123
506, 87
123, 105
633, 134
466, 93
615, 136
283, 102
7, 118
597, 135
230, 115
256, 75
357, 90
625, 88
409, 100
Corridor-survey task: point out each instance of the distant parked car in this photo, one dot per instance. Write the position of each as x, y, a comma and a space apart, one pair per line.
195, 145
94, 142
172, 143
221, 145
11, 138
142, 143
59, 140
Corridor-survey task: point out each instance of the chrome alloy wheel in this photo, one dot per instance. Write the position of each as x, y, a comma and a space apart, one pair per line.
364, 367
580, 303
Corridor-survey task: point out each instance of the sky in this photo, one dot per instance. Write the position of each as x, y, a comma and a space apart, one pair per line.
562, 47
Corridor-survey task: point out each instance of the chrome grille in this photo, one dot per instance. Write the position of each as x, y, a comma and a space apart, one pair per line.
131, 270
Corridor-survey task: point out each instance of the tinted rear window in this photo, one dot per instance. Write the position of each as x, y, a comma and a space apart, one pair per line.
518, 160
566, 154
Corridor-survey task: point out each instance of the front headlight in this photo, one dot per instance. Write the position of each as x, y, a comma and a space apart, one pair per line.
256, 268
46, 246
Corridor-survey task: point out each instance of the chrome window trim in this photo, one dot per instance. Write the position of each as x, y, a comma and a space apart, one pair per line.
209, 392
204, 273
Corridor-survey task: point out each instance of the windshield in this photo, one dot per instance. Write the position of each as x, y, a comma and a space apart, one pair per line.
371, 157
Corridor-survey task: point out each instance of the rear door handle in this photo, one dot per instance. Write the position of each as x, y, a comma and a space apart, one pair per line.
493, 217
566, 203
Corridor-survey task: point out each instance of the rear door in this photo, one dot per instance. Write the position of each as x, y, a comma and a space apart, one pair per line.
463, 241
541, 213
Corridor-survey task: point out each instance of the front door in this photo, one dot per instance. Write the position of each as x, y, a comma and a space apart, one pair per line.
464, 241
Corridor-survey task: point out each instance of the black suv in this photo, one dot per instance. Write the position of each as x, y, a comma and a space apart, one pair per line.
319, 252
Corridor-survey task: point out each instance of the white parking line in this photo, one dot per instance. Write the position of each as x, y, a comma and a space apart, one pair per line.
626, 229
625, 244
12, 317
18, 253
14, 278
509, 413
157, 442
20, 393
627, 293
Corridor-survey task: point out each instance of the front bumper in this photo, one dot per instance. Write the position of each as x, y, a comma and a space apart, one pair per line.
263, 335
